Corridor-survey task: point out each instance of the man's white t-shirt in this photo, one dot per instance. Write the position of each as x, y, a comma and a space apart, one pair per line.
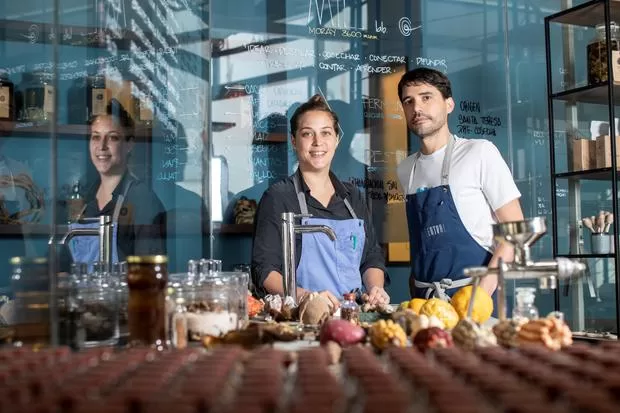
480, 182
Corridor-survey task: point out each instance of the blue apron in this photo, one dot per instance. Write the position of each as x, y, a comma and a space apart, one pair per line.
86, 248
440, 245
326, 264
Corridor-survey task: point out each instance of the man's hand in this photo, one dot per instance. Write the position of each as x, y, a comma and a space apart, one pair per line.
377, 295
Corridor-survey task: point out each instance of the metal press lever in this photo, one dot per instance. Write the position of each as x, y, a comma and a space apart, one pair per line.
522, 235
289, 229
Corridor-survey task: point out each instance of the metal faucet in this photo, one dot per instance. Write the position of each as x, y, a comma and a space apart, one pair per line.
522, 235
289, 229
104, 232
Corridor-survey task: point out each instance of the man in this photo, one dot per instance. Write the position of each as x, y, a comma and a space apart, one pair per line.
456, 190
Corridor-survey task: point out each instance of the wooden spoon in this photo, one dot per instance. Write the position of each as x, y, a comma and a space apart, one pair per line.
600, 221
587, 222
609, 219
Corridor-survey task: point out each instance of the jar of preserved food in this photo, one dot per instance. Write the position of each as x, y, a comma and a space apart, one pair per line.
598, 70
7, 97
98, 302
147, 278
350, 310
38, 97
216, 304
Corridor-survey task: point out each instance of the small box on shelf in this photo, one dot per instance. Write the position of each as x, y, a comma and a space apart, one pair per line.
603, 151
584, 153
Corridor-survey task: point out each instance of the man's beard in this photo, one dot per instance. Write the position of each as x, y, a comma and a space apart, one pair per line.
430, 127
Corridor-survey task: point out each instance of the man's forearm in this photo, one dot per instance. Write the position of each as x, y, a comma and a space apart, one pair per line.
505, 251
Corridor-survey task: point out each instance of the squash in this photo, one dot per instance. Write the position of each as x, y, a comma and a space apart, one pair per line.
483, 304
416, 304
442, 310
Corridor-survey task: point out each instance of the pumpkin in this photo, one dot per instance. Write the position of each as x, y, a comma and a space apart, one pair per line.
483, 304
416, 304
442, 310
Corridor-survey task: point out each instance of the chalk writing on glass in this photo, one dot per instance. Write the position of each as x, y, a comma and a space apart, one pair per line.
406, 27
331, 12
380, 27
424, 61
33, 34
471, 122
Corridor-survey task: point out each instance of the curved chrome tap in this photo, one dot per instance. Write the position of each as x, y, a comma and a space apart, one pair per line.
289, 229
104, 232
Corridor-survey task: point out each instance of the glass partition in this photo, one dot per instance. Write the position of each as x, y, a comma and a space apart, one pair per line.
209, 88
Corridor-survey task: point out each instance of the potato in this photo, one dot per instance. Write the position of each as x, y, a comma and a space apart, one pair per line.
342, 332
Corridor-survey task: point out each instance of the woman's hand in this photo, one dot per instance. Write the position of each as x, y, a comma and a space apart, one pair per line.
377, 295
334, 302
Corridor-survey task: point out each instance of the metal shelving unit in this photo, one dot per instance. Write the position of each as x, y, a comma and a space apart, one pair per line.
586, 15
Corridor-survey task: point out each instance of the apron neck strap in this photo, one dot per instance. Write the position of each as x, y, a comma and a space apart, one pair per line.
301, 196
445, 167
121, 198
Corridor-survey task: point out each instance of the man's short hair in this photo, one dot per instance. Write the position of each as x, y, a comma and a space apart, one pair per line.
425, 75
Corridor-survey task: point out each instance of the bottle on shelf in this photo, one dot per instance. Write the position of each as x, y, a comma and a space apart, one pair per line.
75, 203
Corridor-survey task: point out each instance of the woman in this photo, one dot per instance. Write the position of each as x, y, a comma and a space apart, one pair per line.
136, 211
356, 261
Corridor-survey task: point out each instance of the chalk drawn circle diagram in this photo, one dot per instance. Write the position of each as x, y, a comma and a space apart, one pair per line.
405, 26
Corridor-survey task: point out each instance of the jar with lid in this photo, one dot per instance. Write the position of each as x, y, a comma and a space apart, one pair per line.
98, 303
350, 310
38, 97
7, 97
525, 308
598, 70
147, 278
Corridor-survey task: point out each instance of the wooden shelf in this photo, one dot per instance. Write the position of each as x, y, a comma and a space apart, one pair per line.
31, 129
587, 14
231, 229
45, 229
585, 256
596, 94
600, 174
272, 137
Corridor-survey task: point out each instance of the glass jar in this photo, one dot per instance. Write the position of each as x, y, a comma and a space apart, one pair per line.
147, 278
349, 309
30, 285
99, 308
178, 323
38, 97
7, 97
216, 304
97, 96
598, 70
525, 307
118, 277
70, 329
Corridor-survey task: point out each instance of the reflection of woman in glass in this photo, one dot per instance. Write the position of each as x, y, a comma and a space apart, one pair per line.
136, 211
332, 268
